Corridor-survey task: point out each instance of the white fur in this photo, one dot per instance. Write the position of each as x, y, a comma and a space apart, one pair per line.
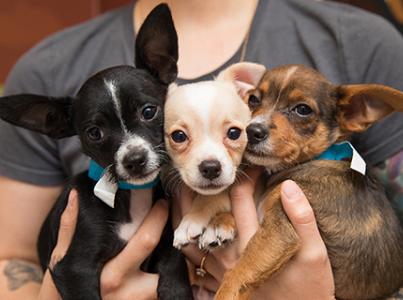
219, 235
201, 99
205, 111
288, 75
112, 90
134, 141
213, 104
209, 150
140, 205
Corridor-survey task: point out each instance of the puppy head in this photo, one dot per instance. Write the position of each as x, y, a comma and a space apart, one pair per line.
297, 114
118, 112
205, 134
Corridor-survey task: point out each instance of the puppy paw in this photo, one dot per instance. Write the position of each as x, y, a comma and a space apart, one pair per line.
219, 232
189, 230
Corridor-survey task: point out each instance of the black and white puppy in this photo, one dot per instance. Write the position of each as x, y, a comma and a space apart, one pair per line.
118, 116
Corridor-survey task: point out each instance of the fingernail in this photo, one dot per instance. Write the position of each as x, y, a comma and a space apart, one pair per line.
291, 190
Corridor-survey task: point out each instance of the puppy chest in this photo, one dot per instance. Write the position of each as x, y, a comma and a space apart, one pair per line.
140, 205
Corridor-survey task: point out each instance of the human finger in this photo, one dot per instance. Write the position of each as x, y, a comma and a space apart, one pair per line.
245, 215
137, 285
144, 240
247, 182
68, 222
302, 217
195, 256
207, 282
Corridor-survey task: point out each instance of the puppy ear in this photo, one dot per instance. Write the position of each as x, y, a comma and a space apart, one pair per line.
245, 76
363, 104
50, 116
157, 45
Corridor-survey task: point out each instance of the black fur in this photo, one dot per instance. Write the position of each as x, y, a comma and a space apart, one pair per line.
77, 275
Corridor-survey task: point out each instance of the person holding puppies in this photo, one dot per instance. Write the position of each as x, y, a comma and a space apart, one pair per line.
344, 43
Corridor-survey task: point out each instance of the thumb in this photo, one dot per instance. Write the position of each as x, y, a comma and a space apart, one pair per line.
143, 241
301, 215
68, 221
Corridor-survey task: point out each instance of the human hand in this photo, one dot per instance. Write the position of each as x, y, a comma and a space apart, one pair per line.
68, 221
308, 274
297, 278
121, 277
221, 259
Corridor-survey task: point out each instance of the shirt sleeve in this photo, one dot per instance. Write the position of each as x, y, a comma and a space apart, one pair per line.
373, 53
25, 155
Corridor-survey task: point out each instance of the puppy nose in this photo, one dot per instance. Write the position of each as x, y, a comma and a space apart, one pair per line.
135, 161
210, 169
256, 133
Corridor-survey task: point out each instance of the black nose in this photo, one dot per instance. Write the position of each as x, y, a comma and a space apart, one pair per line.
257, 133
135, 162
210, 169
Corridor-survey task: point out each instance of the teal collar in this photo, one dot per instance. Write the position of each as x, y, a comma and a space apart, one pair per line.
345, 151
341, 151
95, 172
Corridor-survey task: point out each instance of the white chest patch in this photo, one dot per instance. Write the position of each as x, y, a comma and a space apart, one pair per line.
140, 205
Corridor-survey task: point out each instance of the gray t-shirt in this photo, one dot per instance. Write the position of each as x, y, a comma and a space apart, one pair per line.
346, 44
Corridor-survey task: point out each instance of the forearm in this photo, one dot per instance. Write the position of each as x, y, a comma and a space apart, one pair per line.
19, 279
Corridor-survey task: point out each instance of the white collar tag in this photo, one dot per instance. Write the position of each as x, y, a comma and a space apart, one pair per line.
106, 190
357, 162
343, 151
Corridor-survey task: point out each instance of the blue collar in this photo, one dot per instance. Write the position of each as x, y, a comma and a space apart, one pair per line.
340, 151
95, 172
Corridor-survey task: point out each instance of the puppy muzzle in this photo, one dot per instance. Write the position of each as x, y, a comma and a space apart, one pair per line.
257, 133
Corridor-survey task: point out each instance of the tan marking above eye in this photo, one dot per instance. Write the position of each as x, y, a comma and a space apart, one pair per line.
296, 94
264, 86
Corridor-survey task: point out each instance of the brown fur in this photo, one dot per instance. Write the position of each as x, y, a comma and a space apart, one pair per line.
362, 233
225, 220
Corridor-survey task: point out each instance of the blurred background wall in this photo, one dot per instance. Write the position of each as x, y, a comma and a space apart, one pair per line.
25, 22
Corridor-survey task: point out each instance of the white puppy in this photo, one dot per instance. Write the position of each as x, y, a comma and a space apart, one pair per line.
205, 137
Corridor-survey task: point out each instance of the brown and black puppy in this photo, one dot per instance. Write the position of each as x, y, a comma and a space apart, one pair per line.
296, 115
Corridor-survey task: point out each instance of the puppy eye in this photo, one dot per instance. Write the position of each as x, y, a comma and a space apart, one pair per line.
234, 133
254, 101
179, 136
302, 110
94, 133
149, 112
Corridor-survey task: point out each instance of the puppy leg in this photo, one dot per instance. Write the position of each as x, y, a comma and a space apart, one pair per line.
204, 208
220, 231
271, 247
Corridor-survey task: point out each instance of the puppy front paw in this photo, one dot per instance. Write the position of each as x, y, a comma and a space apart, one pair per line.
189, 230
220, 231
